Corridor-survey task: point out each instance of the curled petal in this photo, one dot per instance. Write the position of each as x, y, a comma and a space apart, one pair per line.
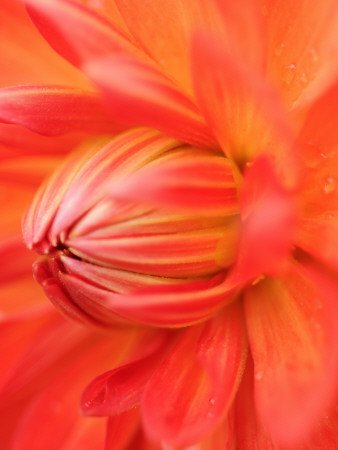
201, 184
52, 110
138, 94
194, 396
120, 389
172, 304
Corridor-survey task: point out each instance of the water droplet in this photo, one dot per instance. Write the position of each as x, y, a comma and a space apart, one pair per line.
212, 401
289, 73
258, 376
279, 49
304, 78
313, 55
264, 10
329, 185
323, 155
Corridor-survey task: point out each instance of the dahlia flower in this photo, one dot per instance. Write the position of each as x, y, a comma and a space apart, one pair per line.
188, 235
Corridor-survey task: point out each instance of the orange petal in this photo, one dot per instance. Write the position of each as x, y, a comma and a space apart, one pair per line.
293, 338
19, 64
317, 142
241, 108
302, 46
244, 30
77, 32
52, 110
196, 383
172, 23
138, 94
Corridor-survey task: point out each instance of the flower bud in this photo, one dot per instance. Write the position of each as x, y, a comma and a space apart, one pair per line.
128, 217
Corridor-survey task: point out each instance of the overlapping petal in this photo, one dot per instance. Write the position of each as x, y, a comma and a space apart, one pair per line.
52, 110
188, 182
302, 47
144, 229
317, 141
138, 94
243, 111
21, 65
76, 31
193, 399
293, 341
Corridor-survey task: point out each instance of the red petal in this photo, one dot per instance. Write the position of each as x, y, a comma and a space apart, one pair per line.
16, 277
138, 94
196, 383
191, 182
58, 296
75, 31
57, 403
269, 217
222, 438
176, 305
27, 342
249, 431
84, 178
293, 337
40, 215
195, 253
120, 389
16, 141
52, 110
49, 361
121, 430
243, 111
